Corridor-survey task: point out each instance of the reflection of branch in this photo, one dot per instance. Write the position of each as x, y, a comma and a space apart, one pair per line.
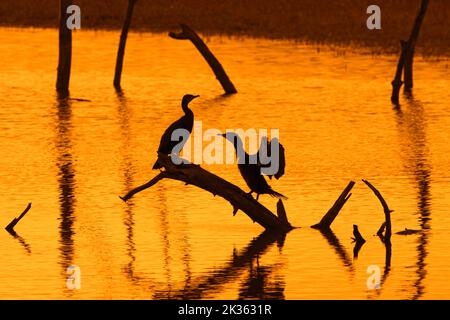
340, 250
21, 240
195, 175
204, 286
189, 34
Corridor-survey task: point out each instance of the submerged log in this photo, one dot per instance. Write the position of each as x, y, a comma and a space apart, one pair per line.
411, 46
122, 43
189, 34
387, 212
65, 51
12, 224
329, 217
195, 175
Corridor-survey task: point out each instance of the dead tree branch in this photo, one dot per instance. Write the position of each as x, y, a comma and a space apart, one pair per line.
329, 217
195, 175
189, 34
12, 224
122, 43
411, 46
387, 212
405, 63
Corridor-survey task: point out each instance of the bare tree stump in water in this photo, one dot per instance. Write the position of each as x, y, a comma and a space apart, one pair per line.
387, 214
405, 63
328, 218
195, 175
122, 43
65, 51
189, 34
397, 82
411, 45
12, 224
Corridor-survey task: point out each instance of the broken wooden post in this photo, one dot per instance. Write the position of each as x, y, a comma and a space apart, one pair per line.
122, 43
195, 175
397, 82
65, 51
329, 217
12, 224
281, 212
411, 45
189, 34
387, 212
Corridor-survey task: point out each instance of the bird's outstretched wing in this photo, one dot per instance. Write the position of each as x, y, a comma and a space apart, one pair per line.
265, 151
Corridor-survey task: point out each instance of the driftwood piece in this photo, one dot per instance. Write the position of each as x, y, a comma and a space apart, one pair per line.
188, 34
122, 43
329, 217
411, 46
387, 212
195, 175
12, 224
65, 51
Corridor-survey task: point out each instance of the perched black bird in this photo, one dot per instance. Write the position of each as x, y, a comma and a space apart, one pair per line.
186, 122
251, 172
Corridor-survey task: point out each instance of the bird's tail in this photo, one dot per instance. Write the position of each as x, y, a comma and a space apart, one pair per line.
157, 165
275, 194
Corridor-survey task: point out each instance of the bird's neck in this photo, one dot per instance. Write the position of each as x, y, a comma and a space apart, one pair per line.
186, 109
239, 149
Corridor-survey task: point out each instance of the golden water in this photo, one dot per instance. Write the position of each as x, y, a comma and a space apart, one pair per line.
72, 161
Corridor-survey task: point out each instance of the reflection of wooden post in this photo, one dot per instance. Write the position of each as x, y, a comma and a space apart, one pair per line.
411, 44
65, 51
122, 43
189, 34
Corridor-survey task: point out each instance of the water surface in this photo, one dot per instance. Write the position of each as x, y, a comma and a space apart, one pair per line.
72, 160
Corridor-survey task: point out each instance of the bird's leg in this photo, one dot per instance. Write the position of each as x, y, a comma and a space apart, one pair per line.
257, 196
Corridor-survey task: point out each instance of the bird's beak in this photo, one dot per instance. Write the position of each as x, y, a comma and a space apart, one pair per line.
222, 134
195, 97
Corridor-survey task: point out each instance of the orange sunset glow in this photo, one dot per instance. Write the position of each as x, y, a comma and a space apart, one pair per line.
79, 131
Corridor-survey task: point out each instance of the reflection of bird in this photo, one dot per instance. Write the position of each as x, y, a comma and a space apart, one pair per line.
186, 122
250, 170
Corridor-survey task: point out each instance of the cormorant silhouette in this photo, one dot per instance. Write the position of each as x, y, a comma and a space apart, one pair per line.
186, 122
251, 172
